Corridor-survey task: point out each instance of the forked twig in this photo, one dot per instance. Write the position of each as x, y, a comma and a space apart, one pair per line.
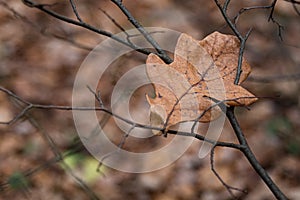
120, 147
58, 156
44, 8
105, 110
74, 8
228, 187
141, 29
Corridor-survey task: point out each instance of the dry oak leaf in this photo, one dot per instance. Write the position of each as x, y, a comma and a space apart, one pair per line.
201, 73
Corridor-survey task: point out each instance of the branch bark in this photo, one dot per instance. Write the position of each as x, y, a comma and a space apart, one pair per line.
251, 157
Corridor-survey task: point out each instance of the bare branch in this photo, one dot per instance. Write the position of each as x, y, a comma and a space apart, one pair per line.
59, 157
140, 28
97, 96
251, 157
271, 18
228, 187
113, 20
44, 8
243, 10
29, 106
75, 10
223, 10
68, 38
296, 9
120, 147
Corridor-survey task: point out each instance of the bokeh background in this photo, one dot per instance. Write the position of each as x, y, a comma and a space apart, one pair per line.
40, 56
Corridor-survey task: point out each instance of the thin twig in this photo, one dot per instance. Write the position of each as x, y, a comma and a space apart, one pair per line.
201, 79
55, 150
296, 9
97, 96
128, 36
75, 10
117, 25
43, 31
103, 109
239, 70
46, 164
120, 147
248, 9
242, 39
228, 187
140, 28
113, 20
272, 9
280, 27
89, 27
271, 17
228, 21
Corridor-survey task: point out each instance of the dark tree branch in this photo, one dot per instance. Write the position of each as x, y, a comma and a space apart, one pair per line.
295, 3
89, 27
75, 11
251, 157
128, 36
296, 9
240, 59
140, 28
223, 10
272, 9
80, 23
271, 18
243, 10
28, 106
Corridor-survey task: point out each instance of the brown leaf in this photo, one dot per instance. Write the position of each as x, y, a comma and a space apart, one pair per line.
201, 71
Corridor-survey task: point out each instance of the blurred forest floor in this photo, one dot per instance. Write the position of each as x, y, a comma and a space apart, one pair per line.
40, 67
